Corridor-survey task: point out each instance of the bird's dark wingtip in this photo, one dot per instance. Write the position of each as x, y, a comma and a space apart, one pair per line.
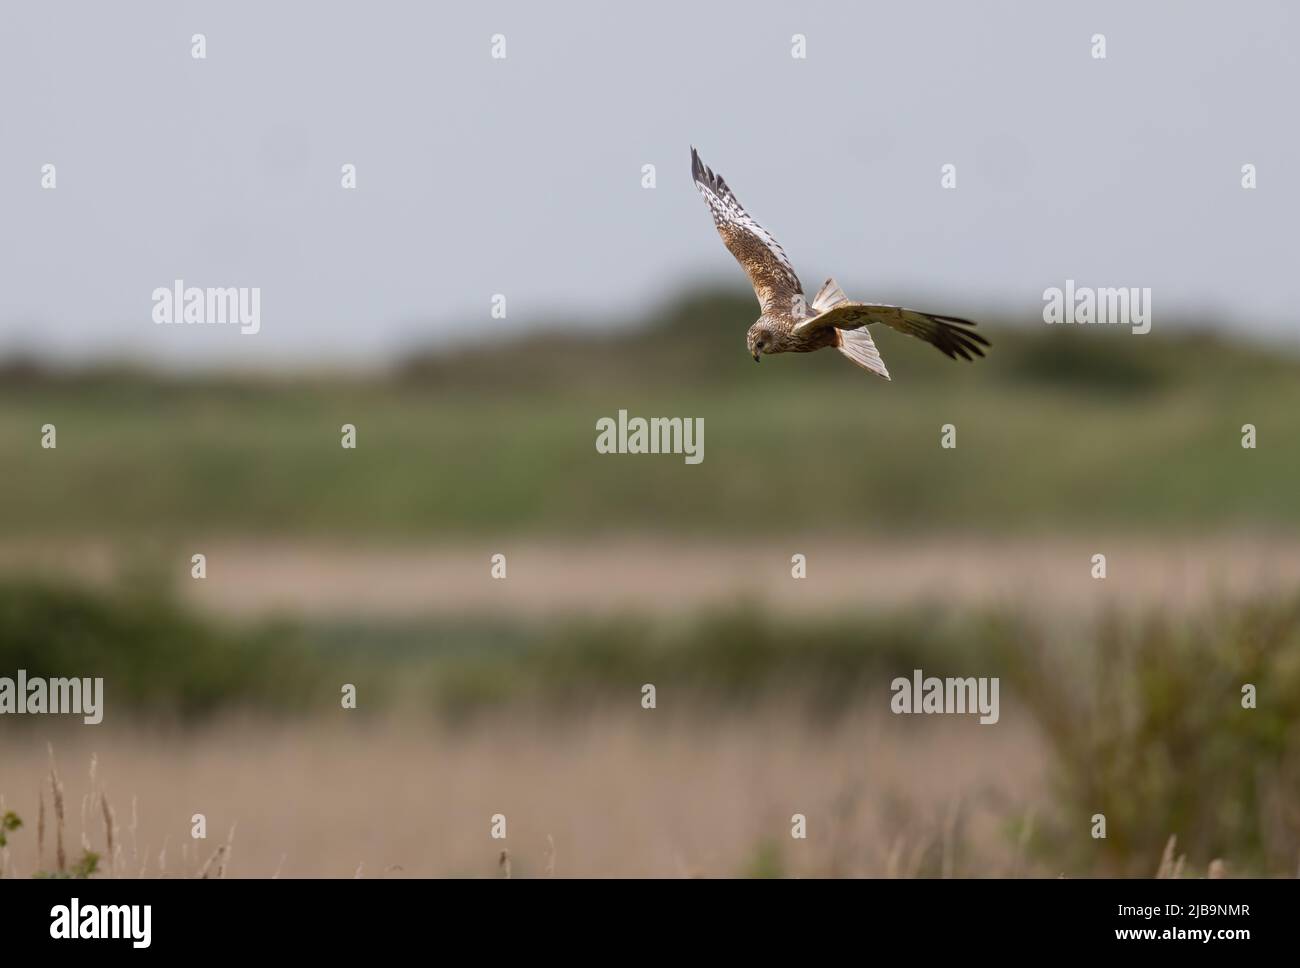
697, 166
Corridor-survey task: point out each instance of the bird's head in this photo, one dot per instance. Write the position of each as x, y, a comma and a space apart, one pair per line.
758, 340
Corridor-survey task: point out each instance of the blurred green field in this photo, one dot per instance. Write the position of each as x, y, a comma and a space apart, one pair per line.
1061, 429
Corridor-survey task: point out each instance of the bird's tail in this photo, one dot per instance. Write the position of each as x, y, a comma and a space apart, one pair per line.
858, 346
828, 297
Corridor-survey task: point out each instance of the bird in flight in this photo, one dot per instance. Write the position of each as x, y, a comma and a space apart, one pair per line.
788, 324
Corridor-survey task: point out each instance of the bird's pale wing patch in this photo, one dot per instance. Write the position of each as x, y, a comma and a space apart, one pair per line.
949, 334
858, 346
764, 261
828, 297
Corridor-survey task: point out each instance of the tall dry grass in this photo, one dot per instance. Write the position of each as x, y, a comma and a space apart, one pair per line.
611, 798
609, 793
111, 859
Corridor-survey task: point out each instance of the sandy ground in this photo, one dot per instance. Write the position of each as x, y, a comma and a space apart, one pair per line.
617, 793
251, 578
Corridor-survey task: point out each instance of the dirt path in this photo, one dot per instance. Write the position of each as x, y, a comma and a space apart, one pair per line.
253, 578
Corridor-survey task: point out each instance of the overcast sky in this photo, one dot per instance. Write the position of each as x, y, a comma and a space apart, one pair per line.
523, 175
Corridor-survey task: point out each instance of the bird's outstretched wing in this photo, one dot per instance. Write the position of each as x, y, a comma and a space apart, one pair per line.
950, 335
763, 260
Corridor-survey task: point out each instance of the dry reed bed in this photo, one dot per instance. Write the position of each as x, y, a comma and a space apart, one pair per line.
110, 855
611, 794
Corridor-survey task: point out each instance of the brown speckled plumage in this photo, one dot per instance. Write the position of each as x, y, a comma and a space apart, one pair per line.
788, 324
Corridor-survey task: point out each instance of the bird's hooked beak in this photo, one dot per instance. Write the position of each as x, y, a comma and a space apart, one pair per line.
756, 356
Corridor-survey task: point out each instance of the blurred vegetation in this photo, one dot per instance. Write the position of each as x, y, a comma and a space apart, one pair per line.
155, 657
1142, 714
1061, 428
1147, 725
